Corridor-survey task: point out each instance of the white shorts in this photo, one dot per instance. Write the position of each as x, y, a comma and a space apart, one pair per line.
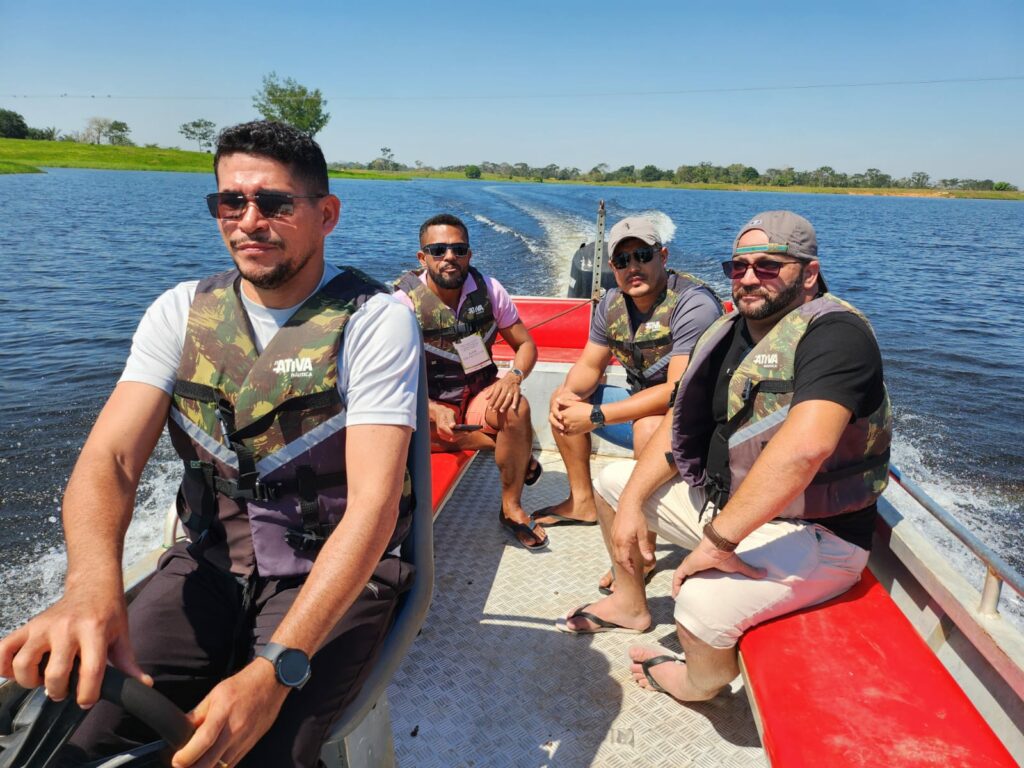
806, 563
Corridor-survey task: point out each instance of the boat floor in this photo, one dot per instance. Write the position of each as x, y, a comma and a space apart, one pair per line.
491, 682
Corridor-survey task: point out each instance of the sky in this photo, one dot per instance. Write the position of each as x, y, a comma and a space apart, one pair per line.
570, 83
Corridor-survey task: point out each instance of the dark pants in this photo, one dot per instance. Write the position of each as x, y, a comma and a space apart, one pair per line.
190, 630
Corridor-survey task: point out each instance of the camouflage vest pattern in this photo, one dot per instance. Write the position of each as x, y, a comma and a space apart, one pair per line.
262, 435
760, 393
645, 353
447, 381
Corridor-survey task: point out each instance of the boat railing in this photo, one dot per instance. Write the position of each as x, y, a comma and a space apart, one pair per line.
998, 571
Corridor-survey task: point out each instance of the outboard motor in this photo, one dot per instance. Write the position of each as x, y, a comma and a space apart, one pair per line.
582, 271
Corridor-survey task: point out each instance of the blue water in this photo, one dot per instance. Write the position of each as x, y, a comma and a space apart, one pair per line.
86, 251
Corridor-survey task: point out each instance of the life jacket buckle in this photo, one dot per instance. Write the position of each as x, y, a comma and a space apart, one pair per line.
303, 540
264, 492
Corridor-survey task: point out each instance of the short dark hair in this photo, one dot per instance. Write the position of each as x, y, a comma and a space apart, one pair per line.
281, 142
443, 220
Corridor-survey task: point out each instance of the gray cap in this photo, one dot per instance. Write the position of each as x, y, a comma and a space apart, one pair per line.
788, 233
639, 227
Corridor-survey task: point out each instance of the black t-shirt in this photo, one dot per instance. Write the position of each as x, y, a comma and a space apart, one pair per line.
836, 360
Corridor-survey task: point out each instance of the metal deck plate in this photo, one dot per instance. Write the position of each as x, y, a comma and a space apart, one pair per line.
491, 682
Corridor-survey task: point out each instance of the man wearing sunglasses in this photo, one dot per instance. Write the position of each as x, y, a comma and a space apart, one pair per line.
649, 324
288, 387
777, 449
461, 312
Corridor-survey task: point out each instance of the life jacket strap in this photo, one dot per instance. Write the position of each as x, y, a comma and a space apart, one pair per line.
460, 330
258, 490
303, 402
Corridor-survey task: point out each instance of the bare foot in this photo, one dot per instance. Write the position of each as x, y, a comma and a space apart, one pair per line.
567, 512
611, 610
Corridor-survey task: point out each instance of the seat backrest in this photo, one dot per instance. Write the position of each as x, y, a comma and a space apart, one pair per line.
418, 549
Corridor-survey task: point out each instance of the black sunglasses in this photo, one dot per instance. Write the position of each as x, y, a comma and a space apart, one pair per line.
271, 205
642, 255
765, 270
438, 250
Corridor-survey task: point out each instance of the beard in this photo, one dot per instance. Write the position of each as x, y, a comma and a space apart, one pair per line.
772, 305
448, 281
272, 277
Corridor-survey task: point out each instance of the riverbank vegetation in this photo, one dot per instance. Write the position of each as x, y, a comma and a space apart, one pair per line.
28, 156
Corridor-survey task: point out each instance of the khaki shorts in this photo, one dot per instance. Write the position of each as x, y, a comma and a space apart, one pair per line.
806, 563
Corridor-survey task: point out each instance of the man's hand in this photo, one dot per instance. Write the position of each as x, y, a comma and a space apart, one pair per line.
629, 537
505, 393
555, 410
706, 556
89, 624
574, 416
443, 419
233, 717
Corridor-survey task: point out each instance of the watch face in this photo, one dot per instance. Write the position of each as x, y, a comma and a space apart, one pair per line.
292, 667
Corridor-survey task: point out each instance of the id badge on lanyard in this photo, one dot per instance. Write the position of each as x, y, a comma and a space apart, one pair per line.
472, 353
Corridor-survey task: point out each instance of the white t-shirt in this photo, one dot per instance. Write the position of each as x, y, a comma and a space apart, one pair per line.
378, 370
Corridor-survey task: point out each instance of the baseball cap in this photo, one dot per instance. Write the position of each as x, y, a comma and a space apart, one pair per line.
788, 233
639, 227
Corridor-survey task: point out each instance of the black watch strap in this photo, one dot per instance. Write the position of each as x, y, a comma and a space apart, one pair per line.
597, 415
291, 665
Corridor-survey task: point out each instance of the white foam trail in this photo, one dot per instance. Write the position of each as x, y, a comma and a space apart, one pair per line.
663, 224
563, 234
979, 511
529, 242
33, 585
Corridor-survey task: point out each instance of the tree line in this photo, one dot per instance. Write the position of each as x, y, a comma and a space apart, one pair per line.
702, 173
290, 102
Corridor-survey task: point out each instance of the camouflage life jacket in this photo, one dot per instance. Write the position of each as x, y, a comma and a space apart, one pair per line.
262, 435
760, 393
646, 352
447, 381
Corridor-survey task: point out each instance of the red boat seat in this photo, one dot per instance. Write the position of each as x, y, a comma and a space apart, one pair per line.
559, 327
445, 471
850, 682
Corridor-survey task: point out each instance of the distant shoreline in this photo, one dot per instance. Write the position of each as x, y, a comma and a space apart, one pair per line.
27, 156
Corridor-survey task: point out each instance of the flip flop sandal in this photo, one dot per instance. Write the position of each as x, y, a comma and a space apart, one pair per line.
601, 625
519, 528
533, 471
609, 591
654, 661
558, 519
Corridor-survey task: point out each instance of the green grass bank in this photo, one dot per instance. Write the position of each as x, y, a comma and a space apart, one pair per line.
27, 156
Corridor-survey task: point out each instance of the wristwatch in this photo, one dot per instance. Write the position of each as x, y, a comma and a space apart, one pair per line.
290, 664
597, 415
518, 373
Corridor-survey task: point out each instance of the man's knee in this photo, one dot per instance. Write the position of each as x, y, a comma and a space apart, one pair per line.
512, 420
612, 479
643, 429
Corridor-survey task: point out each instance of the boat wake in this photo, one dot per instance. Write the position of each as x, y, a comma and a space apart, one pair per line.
35, 580
980, 510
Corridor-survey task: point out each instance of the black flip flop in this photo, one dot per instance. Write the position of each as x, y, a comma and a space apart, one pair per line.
654, 661
517, 528
533, 471
558, 519
600, 625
